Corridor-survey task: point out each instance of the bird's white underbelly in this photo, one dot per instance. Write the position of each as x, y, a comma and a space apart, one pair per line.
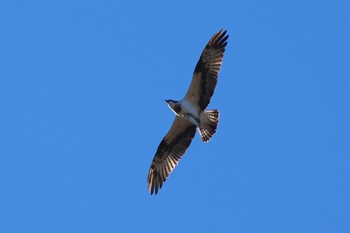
188, 108
190, 112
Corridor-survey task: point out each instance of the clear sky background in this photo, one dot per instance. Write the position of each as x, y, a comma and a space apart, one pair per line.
82, 112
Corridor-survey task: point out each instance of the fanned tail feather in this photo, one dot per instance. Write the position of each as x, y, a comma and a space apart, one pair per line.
208, 124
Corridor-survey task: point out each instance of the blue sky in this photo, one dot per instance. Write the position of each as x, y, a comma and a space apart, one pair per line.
82, 90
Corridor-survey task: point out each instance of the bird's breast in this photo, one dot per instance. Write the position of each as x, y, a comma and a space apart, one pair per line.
188, 108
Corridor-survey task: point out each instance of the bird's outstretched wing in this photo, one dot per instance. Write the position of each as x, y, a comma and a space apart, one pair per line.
169, 152
205, 75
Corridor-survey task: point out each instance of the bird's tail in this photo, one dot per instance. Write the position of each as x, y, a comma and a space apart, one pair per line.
208, 124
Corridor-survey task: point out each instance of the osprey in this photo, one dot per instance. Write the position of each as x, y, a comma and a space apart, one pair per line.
190, 113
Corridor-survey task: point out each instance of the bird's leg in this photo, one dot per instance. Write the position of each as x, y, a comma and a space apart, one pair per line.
192, 119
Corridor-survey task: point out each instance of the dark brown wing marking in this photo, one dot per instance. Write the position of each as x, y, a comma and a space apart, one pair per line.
205, 75
169, 152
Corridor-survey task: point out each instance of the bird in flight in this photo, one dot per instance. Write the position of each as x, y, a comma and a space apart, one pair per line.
191, 113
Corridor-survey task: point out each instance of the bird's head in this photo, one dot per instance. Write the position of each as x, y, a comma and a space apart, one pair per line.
171, 103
